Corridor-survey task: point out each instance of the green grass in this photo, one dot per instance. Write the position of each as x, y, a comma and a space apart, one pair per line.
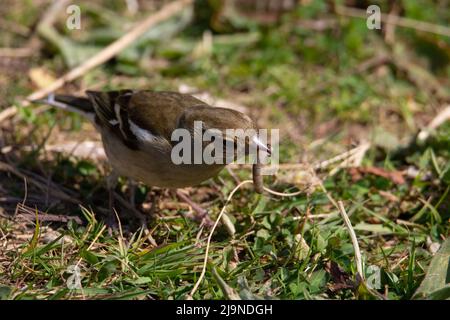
304, 82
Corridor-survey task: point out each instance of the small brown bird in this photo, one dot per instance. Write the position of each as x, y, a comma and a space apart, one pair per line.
136, 129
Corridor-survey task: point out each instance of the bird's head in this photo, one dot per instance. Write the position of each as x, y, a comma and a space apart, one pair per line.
233, 130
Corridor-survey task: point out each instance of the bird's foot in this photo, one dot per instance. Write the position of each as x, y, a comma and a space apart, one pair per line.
111, 222
132, 185
201, 213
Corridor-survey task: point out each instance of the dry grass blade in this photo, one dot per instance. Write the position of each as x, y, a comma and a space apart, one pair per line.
106, 54
340, 206
28, 213
347, 158
221, 214
437, 121
352, 233
8, 113
208, 242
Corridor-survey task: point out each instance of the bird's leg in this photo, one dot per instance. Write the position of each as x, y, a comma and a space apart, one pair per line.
132, 192
111, 183
202, 214
155, 199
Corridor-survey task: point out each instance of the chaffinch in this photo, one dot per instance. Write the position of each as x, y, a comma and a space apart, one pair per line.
136, 129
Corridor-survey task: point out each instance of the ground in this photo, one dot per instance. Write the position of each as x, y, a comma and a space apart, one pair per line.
324, 79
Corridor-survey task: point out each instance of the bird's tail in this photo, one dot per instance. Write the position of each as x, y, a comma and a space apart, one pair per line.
80, 105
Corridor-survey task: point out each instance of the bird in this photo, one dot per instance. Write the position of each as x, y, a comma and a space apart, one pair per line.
136, 128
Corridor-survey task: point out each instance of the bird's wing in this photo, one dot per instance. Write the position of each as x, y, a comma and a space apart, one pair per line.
105, 105
111, 109
159, 112
141, 116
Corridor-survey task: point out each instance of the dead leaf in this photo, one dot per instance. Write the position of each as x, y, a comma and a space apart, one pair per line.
341, 279
395, 176
301, 248
41, 77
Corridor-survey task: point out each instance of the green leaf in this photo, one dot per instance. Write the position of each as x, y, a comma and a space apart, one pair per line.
374, 228
229, 292
131, 294
5, 292
317, 280
106, 270
440, 294
89, 256
263, 233
141, 280
437, 280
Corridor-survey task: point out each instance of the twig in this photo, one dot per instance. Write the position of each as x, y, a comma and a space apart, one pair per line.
441, 118
389, 34
376, 61
354, 160
104, 55
328, 195
318, 25
355, 153
29, 213
397, 20
282, 194
339, 205
351, 231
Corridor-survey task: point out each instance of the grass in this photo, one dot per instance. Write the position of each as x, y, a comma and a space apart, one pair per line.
303, 81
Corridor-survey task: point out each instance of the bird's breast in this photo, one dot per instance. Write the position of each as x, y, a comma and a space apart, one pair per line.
152, 164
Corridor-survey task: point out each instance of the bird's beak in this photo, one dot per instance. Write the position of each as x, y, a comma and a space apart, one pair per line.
262, 146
